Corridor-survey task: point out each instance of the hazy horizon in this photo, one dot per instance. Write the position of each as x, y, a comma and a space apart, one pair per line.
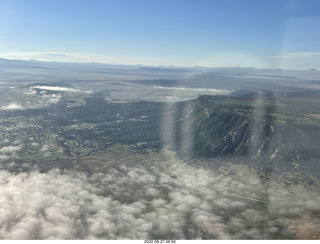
272, 34
152, 65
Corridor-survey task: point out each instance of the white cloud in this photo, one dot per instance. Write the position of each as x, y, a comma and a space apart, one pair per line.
12, 106
218, 91
48, 99
4, 157
56, 88
10, 149
166, 200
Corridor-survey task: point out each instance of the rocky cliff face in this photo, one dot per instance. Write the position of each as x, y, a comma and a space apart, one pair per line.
275, 132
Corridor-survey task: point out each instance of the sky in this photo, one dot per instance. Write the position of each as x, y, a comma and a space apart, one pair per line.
249, 33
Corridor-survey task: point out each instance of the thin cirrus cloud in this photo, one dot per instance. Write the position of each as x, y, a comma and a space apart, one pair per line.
300, 55
47, 56
77, 57
297, 60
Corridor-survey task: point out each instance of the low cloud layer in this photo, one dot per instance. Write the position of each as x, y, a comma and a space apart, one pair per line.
12, 106
165, 200
55, 88
10, 149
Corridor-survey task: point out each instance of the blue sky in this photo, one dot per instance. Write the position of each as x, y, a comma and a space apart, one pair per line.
247, 33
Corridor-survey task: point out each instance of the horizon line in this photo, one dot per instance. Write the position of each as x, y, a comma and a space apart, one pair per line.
149, 65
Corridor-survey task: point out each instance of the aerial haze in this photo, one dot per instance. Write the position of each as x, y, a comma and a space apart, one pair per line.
171, 120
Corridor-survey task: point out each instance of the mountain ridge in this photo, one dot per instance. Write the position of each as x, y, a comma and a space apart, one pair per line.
251, 129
